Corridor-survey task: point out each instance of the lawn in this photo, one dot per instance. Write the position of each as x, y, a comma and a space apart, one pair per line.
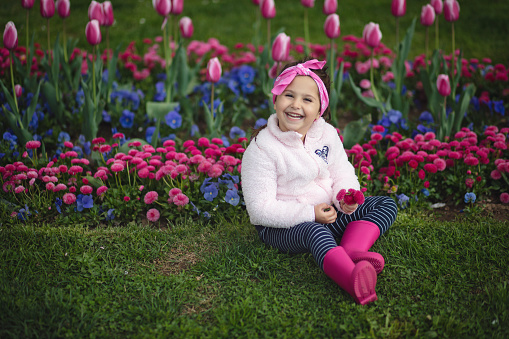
186, 279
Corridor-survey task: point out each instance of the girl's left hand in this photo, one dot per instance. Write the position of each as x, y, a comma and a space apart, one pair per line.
348, 209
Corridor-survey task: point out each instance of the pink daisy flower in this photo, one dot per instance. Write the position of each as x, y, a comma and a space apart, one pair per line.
126, 198
153, 215
33, 144
117, 167
86, 189
173, 192
180, 199
19, 189
101, 190
504, 198
69, 198
150, 197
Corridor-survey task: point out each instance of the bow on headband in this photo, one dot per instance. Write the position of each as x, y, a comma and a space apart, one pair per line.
287, 76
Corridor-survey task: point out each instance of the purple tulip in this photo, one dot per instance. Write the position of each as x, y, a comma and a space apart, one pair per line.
18, 90
330, 6
331, 26
214, 70
47, 8
427, 15
281, 47
443, 85
63, 8
268, 8
108, 14
451, 10
10, 36
95, 12
438, 5
372, 35
93, 32
398, 7
177, 6
308, 3
186, 27
27, 3
163, 7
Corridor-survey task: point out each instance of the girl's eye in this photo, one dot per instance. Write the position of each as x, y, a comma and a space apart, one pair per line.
288, 95
308, 100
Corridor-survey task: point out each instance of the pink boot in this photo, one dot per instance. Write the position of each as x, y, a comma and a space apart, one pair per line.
358, 238
359, 280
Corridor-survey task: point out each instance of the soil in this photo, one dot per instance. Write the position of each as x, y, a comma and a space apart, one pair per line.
498, 212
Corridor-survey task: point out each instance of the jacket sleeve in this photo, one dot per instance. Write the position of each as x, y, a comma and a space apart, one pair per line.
259, 187
341, 170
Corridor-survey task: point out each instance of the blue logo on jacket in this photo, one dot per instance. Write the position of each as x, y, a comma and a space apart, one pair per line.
323, 153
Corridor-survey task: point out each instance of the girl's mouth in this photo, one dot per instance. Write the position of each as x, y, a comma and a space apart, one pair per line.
294, 115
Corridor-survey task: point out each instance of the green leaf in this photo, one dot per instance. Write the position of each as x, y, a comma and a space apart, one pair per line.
368, 101
355, 130
158, 110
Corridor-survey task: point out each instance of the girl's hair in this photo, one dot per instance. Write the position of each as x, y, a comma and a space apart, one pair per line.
322, 74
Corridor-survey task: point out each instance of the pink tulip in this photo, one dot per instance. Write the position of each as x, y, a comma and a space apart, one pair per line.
427, 15
330, 6
451, 10
95, 12
398, 7
256, 2
214, 70
163, 7
331, 26
47, 8
268, 8
27, 3
307, 3
281, 47
438, 5
63, 8
10, 36
18, 90
109, 19
186, 27
93, 32
372, 35
443, 85
177, 6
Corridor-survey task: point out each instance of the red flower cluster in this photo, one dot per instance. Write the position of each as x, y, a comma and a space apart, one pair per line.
350, 197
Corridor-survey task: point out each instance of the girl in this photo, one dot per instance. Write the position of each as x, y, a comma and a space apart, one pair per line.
291, 173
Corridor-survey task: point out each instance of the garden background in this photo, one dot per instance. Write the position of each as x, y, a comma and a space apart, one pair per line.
156, 241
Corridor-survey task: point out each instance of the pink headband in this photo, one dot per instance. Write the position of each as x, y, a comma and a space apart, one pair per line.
287, 76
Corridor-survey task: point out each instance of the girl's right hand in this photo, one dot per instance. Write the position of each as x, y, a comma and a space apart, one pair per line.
325, 214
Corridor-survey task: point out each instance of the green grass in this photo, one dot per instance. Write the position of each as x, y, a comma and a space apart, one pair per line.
481, 31
442, 279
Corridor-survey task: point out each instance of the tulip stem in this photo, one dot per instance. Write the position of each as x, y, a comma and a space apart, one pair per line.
167, 61
453, 63
306, 31
65, 41
268, 33
107, 43
426, 48
49, 44
436, 33
397, 33
331, 62
371, 76
93, 76
28, 45
212, 108
13, 88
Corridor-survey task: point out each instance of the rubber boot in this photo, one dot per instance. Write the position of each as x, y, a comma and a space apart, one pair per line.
358, 238
359, 280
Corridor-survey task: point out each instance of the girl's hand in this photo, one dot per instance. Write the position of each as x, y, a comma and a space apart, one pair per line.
348, 209
325, 214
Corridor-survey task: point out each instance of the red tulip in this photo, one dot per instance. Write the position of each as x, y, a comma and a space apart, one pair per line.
214, 70
281, 47
10, 36
330, 6
27, 3
18, 90
372, 35
443, 85
398, 7
427, 15
63, 8
438, 5
307, 3
47, 8
108, 14
268, 8
177, 6
186, 27
93, 32
163, 7
95, 12
331, 26
451, 10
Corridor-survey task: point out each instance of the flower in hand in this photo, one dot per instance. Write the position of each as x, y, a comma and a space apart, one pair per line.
350, 197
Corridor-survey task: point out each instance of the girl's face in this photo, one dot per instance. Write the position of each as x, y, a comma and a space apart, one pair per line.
298, 106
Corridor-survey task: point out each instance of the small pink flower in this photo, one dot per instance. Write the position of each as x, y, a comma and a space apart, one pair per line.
180, 199
101, 190
75, 170
33, 144
86, 189
173, 192
50, 186
469, 182
69, 198
141, 188
19, 189
72, 189
153, 215
215, 171
504, 198
60, 187
126, 198
150, 197
117, 167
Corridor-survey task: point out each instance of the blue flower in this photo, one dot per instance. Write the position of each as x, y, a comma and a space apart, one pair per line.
110, 215
260, 122
106, 116
425, 192
247, 88
426, 117
226, 142
498, 106
127, 119
236, 132
24, 213
210, 192
58, 204
63, 136
173, 119
149, 133
402, 200
232, 197
470, 197
194, 129
84, 201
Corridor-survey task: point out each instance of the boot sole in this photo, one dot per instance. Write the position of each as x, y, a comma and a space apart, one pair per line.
375, 259
364, 283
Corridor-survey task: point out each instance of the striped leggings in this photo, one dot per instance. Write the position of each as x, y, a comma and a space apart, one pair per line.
320, 238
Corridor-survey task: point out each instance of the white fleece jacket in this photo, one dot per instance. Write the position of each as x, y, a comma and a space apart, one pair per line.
284, 178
